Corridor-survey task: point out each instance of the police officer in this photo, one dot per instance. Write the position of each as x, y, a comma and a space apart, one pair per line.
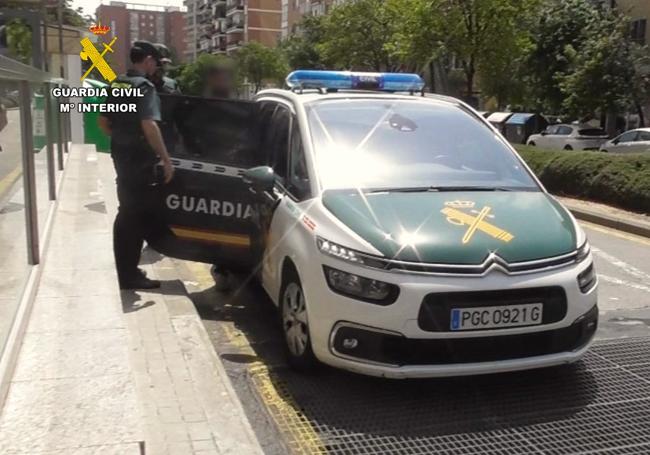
136, 146
163, 83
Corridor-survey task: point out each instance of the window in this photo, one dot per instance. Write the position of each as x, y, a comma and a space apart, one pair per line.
551, 130
375, 144
638, 31
277, 140
643, 136
564, 130
630, 136
298, 175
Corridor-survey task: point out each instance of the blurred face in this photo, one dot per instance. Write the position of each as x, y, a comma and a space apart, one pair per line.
220, 83
150, 65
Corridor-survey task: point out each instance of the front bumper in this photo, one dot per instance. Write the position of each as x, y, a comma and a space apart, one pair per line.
404, 348
383, 353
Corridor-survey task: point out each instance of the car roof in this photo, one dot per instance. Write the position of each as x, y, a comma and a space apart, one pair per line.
312, 96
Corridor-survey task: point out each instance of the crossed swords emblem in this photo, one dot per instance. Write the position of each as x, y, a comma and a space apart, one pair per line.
90, 52
474, 222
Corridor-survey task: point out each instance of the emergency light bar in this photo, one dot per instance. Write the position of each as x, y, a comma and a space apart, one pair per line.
347, 80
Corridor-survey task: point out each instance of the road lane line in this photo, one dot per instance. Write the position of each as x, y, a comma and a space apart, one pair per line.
9, 180
627, 268
615, 233
613, 280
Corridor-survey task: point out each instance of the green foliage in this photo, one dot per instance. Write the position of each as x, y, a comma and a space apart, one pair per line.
602, 72
357, 35
260, 64
618, 180
192, 76
19, 40
301, 49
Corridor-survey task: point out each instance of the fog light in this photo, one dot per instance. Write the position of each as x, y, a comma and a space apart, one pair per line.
350, 343
587, 279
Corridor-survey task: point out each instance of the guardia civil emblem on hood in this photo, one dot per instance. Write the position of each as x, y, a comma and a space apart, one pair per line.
476, 220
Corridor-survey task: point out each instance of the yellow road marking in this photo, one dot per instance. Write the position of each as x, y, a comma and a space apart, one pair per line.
212, 236
456, 216
286, 413
616, 233
10, 179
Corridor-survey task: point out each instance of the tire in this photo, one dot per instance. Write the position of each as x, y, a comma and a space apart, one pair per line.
568, 147
295, 326
532, 144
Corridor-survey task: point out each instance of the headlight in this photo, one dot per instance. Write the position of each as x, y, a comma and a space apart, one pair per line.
587, 279
583, 252
361, 288
338, 251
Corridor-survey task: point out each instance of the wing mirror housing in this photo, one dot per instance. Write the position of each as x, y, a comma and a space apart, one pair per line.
260, 179
543, 132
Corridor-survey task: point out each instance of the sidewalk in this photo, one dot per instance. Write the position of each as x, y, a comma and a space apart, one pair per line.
606, 215
104, 372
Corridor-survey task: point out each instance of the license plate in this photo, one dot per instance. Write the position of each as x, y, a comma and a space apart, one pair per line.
493, 317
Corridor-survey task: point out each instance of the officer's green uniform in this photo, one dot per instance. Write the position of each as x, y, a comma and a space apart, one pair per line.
138, 217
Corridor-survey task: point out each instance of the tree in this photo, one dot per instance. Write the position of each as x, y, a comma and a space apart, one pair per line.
357, 36
19, 40
558, 32
604, 73
301, 48
192, 76
260, 64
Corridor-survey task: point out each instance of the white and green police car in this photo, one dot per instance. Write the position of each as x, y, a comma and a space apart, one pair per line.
399, 235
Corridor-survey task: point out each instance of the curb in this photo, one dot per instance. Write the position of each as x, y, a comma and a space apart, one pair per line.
629, 226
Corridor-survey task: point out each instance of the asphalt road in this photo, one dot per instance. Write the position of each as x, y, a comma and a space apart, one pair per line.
244, 328
10, 156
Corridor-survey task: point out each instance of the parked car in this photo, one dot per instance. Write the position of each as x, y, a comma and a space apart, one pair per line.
569, 137
398, 235
633, 141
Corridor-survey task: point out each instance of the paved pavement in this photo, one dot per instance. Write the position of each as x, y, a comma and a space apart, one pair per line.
104, 372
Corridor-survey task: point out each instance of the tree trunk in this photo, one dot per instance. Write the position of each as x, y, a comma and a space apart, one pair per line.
470, 72
639, 110
432, 76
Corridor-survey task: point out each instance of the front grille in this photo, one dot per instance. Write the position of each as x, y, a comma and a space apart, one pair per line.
435, 311
394, 349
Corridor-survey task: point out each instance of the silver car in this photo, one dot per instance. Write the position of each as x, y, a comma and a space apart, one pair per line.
633, 141
569, 137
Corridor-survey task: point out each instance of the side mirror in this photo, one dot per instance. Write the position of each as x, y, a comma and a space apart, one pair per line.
543, 133
615, 141
260, 179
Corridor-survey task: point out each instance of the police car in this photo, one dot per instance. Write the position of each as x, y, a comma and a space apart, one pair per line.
399, 235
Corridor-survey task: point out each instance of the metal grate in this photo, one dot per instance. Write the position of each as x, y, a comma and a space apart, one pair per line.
599, 405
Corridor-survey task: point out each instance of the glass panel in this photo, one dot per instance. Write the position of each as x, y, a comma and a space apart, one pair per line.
43, 203
13, 244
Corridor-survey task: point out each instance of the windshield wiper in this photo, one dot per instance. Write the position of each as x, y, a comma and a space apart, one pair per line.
423, 189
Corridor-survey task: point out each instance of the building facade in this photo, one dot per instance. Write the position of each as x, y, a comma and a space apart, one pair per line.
222, 26
130, 22
639, 13
294, 10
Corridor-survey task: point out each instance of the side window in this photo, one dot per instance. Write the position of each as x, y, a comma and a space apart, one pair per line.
564, 130
630, 136
279, 141
298, 184
643, 136
551, 130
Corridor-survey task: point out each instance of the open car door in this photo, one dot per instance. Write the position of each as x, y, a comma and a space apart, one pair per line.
208, 210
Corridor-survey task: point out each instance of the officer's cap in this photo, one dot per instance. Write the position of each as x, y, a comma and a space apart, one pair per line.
165, 55
144, 49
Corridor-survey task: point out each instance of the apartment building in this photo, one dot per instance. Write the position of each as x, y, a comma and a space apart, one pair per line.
222, 26
130, 22
294, 10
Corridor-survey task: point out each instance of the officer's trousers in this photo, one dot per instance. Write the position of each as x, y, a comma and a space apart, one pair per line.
138, 219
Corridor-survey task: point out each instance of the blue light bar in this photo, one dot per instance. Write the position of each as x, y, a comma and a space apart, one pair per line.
347, 80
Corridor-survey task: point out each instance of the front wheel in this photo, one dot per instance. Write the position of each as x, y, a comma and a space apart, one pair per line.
295, 326
532, 144
568, 147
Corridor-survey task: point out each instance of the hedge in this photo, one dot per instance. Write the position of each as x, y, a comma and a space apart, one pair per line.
619, 180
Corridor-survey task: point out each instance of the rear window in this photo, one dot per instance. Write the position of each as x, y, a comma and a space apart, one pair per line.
592, 132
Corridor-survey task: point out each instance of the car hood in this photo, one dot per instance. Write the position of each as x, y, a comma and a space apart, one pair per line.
457, 227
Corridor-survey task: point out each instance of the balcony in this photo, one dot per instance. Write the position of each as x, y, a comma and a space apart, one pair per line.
235, 22
234, 5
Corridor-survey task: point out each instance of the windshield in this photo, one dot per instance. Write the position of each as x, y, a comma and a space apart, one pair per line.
392, 144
